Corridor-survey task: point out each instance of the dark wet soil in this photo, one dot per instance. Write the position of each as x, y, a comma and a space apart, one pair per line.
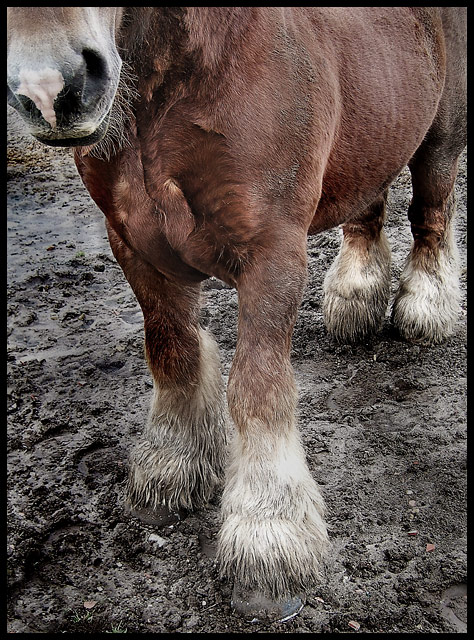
383, 422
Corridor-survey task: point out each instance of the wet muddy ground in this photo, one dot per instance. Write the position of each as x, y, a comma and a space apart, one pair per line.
383, 423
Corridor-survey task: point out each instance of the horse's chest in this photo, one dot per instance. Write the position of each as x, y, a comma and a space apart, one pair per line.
188, 229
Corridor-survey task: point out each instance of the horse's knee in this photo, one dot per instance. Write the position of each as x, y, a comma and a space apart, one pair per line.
172, 350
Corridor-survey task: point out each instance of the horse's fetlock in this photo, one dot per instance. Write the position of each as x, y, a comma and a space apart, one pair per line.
160, 477
427, 302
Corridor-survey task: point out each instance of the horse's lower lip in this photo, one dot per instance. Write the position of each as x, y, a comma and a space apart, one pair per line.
64, 140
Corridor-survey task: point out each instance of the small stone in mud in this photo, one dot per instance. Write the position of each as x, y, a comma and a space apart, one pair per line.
153, 537
192, 621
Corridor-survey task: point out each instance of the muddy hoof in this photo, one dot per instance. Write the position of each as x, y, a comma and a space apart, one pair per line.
253, 605
159, 517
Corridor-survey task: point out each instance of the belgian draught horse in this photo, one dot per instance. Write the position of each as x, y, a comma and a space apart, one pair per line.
215, 140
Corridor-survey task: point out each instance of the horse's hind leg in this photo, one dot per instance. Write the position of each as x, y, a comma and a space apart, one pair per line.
179, 459
427, 303
357, 285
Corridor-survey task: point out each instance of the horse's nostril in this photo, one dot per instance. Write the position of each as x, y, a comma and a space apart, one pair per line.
96, 76
95, 64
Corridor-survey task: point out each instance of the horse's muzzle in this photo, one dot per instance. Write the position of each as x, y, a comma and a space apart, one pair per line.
61, 108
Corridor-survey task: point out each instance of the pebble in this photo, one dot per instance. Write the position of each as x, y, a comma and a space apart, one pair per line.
354, 625
192, 621
153, 537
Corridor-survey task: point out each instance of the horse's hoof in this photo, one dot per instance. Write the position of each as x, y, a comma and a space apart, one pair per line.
159, 517
254, 606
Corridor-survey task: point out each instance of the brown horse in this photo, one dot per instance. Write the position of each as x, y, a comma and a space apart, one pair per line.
214, 140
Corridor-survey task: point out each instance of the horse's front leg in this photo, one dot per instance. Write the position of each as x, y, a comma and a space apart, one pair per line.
273, 531
180, 457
